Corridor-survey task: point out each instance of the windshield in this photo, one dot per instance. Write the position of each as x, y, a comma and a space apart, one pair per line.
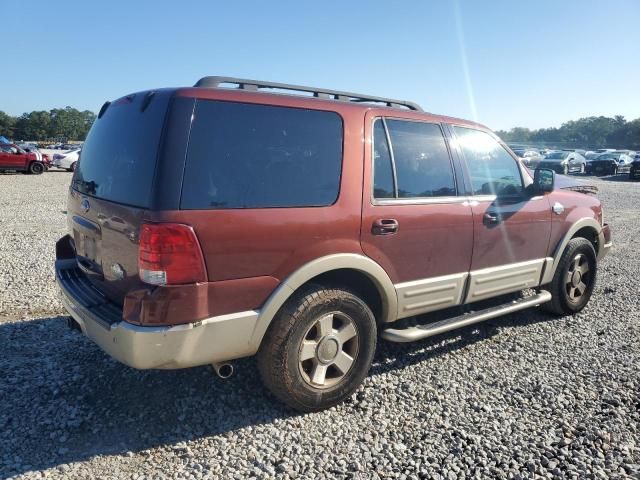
609, 156
119, 155
557, 155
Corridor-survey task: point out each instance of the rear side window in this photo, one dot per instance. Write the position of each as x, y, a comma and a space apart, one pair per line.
118, 158
423, 166
259, 156
382, 166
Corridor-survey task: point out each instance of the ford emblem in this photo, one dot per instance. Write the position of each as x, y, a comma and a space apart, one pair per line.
85, 205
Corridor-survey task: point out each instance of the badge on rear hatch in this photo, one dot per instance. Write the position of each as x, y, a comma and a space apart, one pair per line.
85, 205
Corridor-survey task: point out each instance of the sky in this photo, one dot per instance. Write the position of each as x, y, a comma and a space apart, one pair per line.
502, 63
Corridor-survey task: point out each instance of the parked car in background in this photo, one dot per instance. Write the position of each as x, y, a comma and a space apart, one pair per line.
610, 163
530, 157
207, 224
13, 158
577, 150
564, 162
33, 148
67, 160
634, 170
605, 150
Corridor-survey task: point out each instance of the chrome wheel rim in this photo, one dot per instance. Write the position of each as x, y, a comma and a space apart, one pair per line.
578, 278
328, 350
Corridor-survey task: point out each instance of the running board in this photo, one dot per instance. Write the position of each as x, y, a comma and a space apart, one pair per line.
419, 332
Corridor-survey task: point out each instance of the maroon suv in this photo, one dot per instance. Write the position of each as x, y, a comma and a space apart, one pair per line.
230, 221
14, 158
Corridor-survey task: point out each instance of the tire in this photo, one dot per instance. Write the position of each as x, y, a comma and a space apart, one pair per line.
569, 296
72, 168
583, 169
36, 168
310, 325
615, 171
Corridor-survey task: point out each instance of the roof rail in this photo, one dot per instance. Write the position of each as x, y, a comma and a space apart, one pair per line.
255, 85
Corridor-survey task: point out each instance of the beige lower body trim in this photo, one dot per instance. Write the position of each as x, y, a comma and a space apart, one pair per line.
495, 281
211, 340
422, 296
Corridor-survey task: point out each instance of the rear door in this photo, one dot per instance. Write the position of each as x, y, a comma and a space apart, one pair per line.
415, 223
511, 228
111, 190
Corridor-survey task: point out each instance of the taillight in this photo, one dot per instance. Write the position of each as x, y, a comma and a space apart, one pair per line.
170, 254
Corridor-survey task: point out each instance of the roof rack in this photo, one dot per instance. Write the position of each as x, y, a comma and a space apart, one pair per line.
255, 85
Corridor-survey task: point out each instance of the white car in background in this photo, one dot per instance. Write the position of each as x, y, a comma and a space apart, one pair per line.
66, 160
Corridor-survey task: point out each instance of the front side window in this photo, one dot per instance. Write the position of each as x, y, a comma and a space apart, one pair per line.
260, 156
422, 163
493, 171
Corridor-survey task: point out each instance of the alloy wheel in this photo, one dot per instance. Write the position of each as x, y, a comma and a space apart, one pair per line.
328, 350
578, 278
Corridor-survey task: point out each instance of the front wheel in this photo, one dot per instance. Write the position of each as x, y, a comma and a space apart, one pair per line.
582, 168
72, 168
575, 277
36, 168
318, 349
565, 170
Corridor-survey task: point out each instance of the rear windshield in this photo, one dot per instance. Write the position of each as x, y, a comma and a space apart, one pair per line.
119, 155
259, 156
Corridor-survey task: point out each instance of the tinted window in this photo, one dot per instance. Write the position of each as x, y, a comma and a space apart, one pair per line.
252, 156
493, 171
119, 155
382, 168
423, 166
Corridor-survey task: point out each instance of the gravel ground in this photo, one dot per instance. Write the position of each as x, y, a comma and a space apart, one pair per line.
519, 397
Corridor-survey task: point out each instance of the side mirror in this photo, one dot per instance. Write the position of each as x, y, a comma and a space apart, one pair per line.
544, 180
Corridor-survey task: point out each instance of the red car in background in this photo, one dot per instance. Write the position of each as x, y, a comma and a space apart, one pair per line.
14, 158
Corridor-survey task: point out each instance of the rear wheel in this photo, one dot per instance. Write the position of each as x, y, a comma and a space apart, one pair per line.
575, 277
36, 168
318, 349
72, 168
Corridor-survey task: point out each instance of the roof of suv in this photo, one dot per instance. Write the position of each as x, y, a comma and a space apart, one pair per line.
208, 87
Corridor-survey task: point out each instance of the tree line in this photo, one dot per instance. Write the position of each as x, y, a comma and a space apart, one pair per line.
588, 133
59, 124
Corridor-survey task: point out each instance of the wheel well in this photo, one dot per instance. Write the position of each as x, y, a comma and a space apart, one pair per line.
356, 281
590, 234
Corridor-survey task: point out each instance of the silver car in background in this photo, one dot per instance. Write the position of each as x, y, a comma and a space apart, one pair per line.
565, 162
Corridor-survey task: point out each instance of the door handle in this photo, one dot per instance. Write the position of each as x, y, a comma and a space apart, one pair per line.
491, 218
385, 226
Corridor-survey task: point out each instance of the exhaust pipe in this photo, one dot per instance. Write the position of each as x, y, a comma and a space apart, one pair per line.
224, 370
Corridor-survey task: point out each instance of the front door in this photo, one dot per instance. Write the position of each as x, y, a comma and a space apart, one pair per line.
8, 156
512, 229
414, 223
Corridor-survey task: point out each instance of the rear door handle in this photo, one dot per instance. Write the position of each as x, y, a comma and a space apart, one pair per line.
491, 219
385, 226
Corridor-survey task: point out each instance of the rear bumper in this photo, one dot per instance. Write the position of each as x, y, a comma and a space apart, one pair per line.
214, 339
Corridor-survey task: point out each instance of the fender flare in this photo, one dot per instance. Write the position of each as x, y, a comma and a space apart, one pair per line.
317, 267
557, 253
